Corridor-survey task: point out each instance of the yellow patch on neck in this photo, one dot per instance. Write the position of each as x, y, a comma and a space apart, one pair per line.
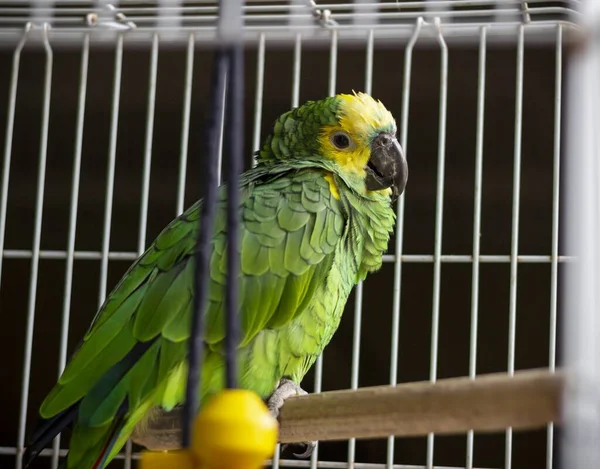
332, 186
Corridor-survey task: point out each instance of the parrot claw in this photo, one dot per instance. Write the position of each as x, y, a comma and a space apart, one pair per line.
286, 389
307, 446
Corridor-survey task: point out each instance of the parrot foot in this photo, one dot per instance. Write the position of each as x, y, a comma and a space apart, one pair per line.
286, 389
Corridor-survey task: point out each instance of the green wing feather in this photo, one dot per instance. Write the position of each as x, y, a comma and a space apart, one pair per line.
290, 226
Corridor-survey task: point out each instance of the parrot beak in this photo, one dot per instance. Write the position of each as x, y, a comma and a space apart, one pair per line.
387, 165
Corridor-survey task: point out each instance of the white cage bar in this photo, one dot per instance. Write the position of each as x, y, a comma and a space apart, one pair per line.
581, 326
35, 258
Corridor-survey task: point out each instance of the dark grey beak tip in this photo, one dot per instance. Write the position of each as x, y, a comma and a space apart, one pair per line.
387, 166
401, 178
400, 183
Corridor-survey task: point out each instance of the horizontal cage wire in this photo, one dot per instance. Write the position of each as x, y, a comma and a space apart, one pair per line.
391, 19
101, 150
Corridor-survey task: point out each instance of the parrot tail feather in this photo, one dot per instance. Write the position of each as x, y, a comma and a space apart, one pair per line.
110, 442
47, 431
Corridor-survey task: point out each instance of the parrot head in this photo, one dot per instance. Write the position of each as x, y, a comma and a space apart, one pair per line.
353, 135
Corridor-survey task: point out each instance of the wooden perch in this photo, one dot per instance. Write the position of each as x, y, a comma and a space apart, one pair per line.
530, 399
494, 402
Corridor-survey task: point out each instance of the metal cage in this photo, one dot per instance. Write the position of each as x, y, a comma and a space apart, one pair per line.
103, 101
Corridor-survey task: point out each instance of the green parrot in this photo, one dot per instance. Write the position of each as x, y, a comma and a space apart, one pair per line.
316, 216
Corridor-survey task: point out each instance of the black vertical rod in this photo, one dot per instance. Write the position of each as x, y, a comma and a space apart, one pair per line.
228, 62
202, 259
231, 26
235, 136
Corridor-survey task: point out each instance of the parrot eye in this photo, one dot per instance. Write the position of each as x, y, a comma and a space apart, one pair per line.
340, 140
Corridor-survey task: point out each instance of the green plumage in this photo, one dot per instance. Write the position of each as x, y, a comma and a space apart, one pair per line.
302, 249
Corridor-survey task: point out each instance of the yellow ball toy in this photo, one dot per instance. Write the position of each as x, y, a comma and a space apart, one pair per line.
234, 430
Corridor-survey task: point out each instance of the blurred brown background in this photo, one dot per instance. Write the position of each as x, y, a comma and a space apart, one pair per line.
533, 297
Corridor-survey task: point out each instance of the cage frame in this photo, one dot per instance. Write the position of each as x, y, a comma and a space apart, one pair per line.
429, 31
